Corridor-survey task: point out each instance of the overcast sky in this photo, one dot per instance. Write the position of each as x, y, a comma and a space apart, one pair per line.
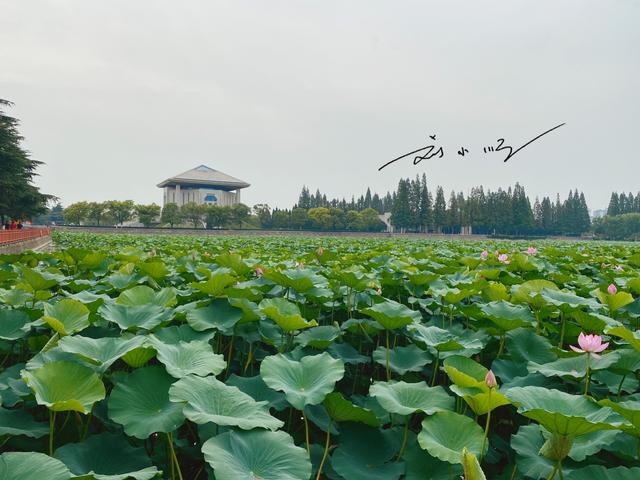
117, 96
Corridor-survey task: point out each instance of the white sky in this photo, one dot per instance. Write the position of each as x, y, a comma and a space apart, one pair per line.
117, 96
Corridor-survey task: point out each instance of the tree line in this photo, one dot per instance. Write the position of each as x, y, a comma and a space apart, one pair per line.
116, 212
19, 198
621, 203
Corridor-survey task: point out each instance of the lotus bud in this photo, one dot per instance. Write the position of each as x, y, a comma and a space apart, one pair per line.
484, 254
320, 251
259, 272
490, 380
612, 289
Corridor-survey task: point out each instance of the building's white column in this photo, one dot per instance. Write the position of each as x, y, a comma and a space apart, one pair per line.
178, 196
238, 196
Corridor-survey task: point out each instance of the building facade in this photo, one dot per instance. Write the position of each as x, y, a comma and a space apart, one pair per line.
202, 185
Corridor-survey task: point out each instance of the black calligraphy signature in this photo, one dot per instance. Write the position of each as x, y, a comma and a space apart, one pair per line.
432, 150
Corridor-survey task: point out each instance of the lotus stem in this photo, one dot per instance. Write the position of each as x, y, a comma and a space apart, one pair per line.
588, 376
620, 386
52, 428
556, 468
486, 428
326, 452
404, 439
174, 458
435, 368
249, 357
306, 432
513, 472
561, 331
388, 370
501, 348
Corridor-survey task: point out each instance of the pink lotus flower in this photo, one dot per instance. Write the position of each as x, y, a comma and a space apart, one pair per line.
490, 380
612, 289
532, 250
320, 251
590, 344
484, 254
503, 258
259, 272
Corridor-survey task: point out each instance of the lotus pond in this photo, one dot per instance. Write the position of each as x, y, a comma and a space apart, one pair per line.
279, 358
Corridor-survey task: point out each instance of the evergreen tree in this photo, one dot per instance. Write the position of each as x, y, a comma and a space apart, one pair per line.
439, 210
426, 213
614, 206
400, 212
19, 198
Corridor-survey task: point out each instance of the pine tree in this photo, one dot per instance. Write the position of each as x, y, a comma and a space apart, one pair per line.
439, 210
426, 212
614, 206
400, 212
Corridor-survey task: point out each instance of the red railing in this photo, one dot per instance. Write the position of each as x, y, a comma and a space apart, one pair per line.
14, 236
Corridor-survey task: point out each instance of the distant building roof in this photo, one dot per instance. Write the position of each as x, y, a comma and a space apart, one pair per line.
205, 176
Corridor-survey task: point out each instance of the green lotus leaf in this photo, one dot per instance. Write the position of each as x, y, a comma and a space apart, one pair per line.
615, 301
632, 338
92, 301
417, 462
143, 295
403, 359
175, 334
135, 317
392, 315
107, 456
437, 338
14, 324
591, 443
527, 443
138, 357
19, 422
250, 310
480, 400
342, 410
32, 466
318, 337
156, 270
529, 292
259, 391
257, 454
140, 403
234, 262
346, 353
100, 351
603, 473
446, 434
40, 280
15, 297
364, 453
563, 413
495, 291
301, 280
285, 313
67, 316
304, 382
216, 284
219, 315
567, 301
189, 358
407, 398
507, 316
575, 367
210, 400
62, 386
466, 372
524, 345
629, 409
